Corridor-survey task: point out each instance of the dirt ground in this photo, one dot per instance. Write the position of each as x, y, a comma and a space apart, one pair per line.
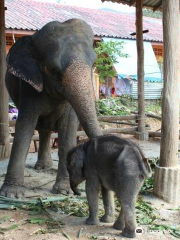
39, 184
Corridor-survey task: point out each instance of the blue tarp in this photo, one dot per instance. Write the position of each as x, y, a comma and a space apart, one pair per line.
127, 67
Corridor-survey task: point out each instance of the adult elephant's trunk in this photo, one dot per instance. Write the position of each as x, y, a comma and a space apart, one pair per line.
78, 91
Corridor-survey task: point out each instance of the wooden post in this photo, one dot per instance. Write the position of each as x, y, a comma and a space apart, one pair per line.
170, 100
4, 122
141, 134
167, 175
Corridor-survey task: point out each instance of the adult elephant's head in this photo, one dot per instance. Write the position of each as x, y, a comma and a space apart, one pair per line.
59, 58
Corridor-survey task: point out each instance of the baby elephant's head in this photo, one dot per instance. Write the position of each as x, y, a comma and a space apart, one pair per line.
75, 167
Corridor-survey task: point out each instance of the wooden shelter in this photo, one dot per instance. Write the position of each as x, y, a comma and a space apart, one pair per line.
167, 174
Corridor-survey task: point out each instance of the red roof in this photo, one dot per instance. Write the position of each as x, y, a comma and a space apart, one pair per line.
32, 15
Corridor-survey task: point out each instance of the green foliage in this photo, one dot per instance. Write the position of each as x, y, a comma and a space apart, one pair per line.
107, 54
123, 105
4, 219
115, 106
145, 213
150, 13
12, 227
36, 220
77, 207
154, 106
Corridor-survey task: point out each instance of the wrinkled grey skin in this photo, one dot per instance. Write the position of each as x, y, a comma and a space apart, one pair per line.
49, 79
111, 164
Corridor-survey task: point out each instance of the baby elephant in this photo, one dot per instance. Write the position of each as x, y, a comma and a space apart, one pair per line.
112, 164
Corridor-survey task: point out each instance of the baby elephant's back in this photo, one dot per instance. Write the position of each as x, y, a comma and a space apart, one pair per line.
119, 159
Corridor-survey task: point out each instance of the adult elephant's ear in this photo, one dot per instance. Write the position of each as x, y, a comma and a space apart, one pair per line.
22, 63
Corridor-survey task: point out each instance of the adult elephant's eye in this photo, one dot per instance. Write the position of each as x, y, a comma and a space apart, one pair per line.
54, 72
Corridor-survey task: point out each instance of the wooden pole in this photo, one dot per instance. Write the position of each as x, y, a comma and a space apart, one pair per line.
170, 100
140, 70
167, 174
4, 122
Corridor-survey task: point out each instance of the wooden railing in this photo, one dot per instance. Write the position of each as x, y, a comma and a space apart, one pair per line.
110, 119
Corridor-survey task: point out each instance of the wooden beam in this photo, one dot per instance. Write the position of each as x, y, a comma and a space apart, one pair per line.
170, 99
117, 118
149, 115
156, 134
132, 2
157, 6
20, 32
140, 66
4, 121
130, 130
127, 130
12, 123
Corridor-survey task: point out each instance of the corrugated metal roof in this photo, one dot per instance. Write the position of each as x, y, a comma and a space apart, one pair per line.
154, 4
32, 15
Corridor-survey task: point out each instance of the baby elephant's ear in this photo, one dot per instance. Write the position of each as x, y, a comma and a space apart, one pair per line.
22, 63
77, 160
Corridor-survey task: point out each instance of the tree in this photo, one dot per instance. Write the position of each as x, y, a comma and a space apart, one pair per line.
150, 13
107, 55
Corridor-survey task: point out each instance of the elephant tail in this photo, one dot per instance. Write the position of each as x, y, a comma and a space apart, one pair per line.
144, 165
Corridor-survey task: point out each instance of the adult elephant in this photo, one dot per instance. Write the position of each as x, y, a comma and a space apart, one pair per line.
49, 79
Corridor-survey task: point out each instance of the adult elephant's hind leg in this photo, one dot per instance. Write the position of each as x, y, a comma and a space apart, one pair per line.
44, 161
67, 139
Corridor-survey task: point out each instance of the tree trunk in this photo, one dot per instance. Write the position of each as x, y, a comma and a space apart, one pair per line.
4, 121
170, 101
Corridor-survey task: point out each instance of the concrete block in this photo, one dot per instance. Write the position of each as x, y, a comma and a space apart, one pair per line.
144, 136
167, 184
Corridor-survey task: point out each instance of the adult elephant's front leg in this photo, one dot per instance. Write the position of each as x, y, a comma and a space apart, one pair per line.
14, 179
67, 139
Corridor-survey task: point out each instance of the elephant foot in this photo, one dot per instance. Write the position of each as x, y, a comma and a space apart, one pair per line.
118, 225
44, 164
92, 221
62, 187
12, 190
107, 219
128, 234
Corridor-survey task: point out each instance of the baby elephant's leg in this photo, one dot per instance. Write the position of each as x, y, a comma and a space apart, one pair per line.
128, 208
92, 192
108, 200
120, 223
